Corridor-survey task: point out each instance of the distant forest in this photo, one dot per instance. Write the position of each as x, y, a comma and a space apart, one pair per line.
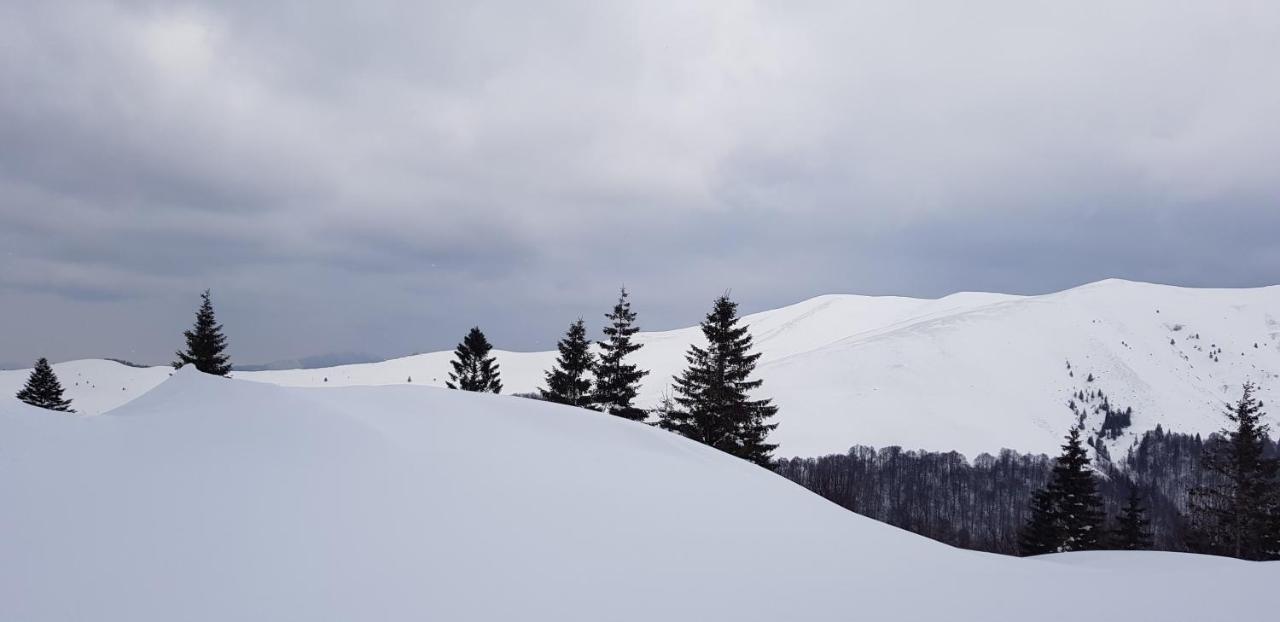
983, 504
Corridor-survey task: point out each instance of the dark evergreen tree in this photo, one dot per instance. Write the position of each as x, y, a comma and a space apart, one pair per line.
1043, 531
473, 368
618, 382
1076, 492
43, 389
1133, 529
206, 345
1238, 512
712, 393
569, 381
1067, 514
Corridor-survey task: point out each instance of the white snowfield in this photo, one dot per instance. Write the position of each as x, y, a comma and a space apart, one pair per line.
969, 372
216, 499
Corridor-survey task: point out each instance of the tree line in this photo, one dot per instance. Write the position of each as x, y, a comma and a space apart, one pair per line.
712, 404
713, 401
1173, 492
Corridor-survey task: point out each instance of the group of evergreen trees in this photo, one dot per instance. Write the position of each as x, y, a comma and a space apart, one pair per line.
206, 350
608, 382
712, 404
1235, 511
1010, 503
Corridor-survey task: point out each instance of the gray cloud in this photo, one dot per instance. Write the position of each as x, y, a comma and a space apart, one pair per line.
378, 177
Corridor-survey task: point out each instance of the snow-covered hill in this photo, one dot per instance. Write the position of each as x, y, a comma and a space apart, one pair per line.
95, 386
215, 499
968, 372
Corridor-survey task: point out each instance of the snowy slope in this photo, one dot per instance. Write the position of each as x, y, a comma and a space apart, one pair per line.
215, 499
968, 372
94, 385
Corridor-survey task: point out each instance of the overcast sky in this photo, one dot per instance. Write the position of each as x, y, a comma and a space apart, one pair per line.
378, 176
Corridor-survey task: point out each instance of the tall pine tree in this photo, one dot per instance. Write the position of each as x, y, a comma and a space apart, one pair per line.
618, 382
1239, 514
712, 393
206, 345
569, 382
1067, 514
43, 389
473, 368
1133, 529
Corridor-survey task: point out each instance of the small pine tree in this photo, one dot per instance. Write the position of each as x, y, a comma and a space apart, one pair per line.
1067, 514
473, 368
711, 394
1240, 514
43, 389
569, 381
1133, 530
618, 382
206, 345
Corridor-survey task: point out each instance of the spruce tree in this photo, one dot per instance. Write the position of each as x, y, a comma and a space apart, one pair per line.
1076, 492
1239, 513
206, 345
618, 382
1067, 514
1042, 533
1133, 530
712, 393
43, 389
569, 381
473, 368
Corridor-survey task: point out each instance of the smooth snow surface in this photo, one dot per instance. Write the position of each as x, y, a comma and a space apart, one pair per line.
94, 385
216, 499
969, 372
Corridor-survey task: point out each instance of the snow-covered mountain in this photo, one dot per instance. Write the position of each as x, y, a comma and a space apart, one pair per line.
969, 372
215, 499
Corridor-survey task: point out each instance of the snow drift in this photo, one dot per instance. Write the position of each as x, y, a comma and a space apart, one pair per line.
216, 499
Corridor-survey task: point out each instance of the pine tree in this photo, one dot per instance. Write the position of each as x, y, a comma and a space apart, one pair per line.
1042, 533
711, 394
618, 382
473, 368
1239, 515
1076, 492
1067, 514
569, 381
43, 389
206, 345
1133, 531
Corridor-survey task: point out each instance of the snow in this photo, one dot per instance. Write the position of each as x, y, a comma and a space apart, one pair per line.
94, 385
216, 499
970, 372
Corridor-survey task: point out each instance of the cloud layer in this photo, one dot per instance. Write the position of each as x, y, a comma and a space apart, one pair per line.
379, 176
